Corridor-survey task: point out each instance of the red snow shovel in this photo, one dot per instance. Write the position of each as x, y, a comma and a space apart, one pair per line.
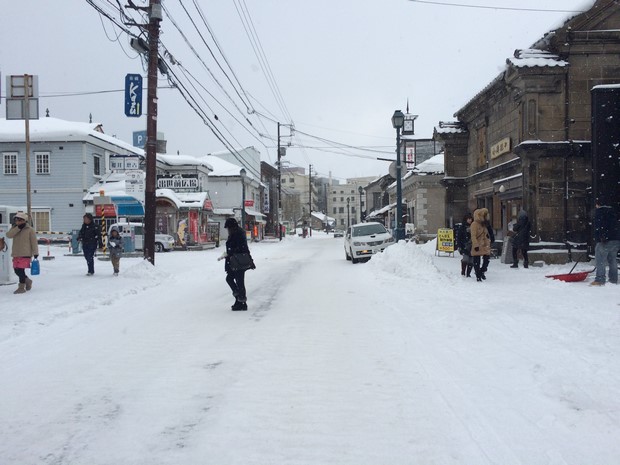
571, 277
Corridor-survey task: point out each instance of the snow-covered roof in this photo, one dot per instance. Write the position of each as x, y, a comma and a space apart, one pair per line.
50, 129
607, 86
183, 160
323, 217
433, 165
183, 199
381, 211
531, 57
450, 127
112, 183
222, 167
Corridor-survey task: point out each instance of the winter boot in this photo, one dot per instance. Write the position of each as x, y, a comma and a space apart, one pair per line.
21, 288
514, 265
463, 267
240, 306
469, 267
28, 284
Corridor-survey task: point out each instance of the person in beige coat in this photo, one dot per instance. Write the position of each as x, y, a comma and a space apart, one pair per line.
24, 247
480, 241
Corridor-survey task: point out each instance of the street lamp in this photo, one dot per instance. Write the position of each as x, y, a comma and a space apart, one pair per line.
360, 190
348, 213
242, 174
398, 120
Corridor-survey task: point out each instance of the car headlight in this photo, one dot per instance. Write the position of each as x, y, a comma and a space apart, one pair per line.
387, 241
358, 244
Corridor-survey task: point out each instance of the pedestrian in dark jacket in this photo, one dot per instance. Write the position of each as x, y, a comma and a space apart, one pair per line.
90, 237
115, 246
236, 244
521, 239
463, 244
607, 238
23, 249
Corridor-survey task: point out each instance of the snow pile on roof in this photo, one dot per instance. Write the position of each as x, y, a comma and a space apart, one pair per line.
112, 183
183, 199
323, 217
531, 57
450, 127
222, 167
434, 165
183, 160
53, 129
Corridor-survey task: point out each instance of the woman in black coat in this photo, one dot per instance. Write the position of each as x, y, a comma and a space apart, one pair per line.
236, 244
463, 243
521, 239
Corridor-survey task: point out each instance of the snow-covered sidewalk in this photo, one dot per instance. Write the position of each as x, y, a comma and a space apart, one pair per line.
399, 360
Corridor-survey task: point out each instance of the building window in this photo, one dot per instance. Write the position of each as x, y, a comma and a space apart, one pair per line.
291, 180
334, 199
335, 210
341, 210
10, 163
42, 161
531, 118
97, 165
41, 221
283, 180
342, 199
482, 147
342, 221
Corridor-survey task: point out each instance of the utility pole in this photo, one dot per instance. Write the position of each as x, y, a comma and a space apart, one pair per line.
27, 128
310, 195
279, 184
155, 16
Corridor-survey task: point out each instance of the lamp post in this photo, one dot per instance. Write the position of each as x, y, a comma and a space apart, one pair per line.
398, 120
360, 190
348, 213
242, 174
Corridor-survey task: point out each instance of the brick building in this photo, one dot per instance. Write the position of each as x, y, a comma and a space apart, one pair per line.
524, 140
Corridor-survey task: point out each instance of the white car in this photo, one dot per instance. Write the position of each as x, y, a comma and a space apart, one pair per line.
163, 242
365, 239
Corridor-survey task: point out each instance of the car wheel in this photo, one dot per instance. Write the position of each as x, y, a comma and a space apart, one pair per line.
346, 255
159, 247
353, 260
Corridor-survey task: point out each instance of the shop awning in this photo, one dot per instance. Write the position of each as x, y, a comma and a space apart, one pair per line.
128, 206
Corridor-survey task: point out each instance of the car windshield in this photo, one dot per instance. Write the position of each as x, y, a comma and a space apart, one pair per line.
368, 229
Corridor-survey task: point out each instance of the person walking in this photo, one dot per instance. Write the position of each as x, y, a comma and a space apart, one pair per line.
480, 242
486, 259
115, 246
463, 244
521, 239
90, 237
607, 238
24, 248
238, 261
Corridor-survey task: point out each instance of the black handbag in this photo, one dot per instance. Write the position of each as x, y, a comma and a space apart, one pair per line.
240, 261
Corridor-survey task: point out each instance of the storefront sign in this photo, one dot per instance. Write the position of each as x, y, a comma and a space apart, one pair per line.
133, 95
445, 240
177, 182
248, 203
502, 147
208, 205
124, 162
108, 210
266, 200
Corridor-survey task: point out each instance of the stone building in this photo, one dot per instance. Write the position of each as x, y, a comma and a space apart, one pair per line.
524, 140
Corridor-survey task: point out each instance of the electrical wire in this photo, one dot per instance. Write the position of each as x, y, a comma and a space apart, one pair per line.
486, 7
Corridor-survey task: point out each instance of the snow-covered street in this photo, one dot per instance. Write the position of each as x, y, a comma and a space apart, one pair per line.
396, 361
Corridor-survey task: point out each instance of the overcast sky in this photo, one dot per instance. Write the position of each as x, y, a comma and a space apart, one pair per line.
342, 67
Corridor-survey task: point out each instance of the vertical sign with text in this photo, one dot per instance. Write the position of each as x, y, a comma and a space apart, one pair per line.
133, 95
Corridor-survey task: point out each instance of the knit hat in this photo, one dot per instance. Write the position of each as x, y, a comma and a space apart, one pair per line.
231, 223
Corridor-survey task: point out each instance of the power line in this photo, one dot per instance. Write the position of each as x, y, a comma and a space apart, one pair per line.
539, 10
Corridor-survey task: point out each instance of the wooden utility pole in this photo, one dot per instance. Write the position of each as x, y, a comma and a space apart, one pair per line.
279, 204
27, 120
310, 195
155, 16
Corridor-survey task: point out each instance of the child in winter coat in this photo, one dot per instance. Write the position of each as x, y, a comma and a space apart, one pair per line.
115, 246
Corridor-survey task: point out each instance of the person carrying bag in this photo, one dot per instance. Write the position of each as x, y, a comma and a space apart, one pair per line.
24, 247
238, 261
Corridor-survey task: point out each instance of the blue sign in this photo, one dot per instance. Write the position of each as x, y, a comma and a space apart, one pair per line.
133, 95
139, 139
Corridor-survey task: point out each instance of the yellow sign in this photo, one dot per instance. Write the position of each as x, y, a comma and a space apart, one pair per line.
445, 240
502, 147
